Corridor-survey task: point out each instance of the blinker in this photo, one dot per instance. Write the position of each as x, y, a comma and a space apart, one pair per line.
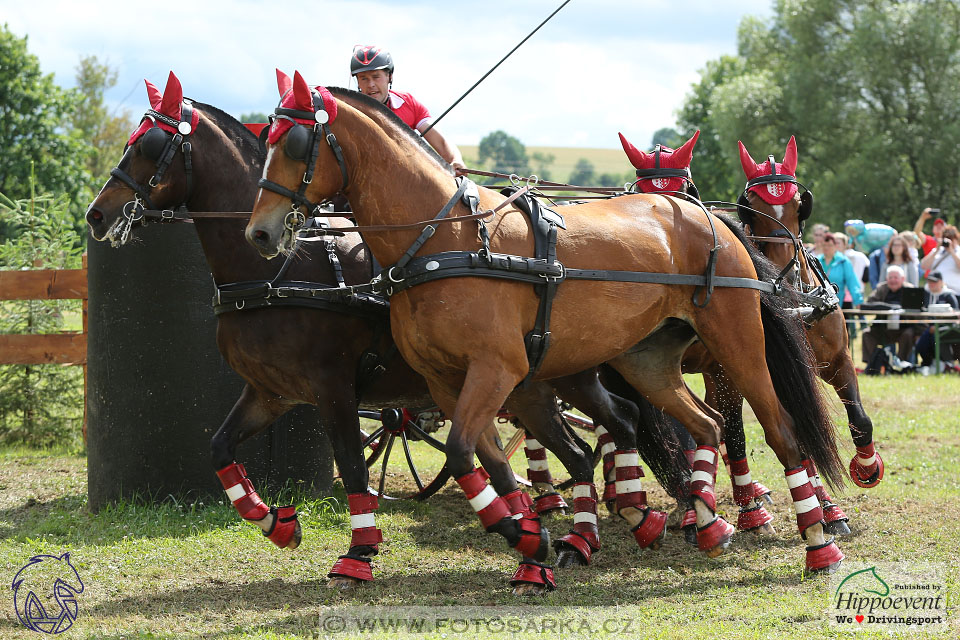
298, 139
153, 142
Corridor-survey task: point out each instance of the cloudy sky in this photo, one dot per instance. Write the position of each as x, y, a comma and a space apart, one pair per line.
598, 67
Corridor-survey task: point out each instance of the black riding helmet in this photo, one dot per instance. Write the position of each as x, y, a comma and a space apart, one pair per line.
370, 58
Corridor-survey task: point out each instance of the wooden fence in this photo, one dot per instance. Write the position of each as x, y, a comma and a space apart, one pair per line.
67, 348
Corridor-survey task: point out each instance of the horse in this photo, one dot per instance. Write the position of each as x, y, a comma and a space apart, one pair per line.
771, 204
466, 334
225, 160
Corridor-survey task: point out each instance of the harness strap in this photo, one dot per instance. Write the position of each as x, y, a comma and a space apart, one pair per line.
429, 230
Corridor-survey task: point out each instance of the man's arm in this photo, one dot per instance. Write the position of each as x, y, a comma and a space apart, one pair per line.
447, 150
918, 228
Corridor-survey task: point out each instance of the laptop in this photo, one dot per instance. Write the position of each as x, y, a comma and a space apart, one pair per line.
912, 298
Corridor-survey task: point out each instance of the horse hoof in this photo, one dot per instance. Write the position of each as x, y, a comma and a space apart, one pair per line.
527, 589
837, 528
827, 570
343, 583
690, 534
296, 539
570, 558
764, 530
766, 498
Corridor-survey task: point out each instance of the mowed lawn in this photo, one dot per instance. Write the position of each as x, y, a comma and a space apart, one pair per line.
183, 570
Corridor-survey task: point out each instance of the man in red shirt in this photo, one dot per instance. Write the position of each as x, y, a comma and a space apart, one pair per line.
930, 243
373, 69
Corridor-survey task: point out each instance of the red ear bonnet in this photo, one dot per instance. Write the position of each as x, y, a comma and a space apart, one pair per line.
296, 94
669, 159
284, 83
776, 192
170, 103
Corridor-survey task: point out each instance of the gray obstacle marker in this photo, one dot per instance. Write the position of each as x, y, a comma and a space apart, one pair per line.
158, 388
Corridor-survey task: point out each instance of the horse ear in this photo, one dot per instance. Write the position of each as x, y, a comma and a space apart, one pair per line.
172, 97
301, 93
284, 83
790, 157
747, 162
683, 155
635, 156
153, 94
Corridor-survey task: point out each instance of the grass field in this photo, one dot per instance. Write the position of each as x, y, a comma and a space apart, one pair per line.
182, 570
565, 158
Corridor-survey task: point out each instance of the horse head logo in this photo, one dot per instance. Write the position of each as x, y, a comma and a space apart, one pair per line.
868, 580
45, 593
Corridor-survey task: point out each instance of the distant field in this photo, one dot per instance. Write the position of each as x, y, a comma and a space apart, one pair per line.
604, 160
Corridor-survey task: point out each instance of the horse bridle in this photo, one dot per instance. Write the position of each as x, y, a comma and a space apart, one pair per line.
303, 144
662, 172
160, 146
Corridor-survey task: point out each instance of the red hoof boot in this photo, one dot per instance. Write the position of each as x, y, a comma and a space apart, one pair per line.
532, 572
285, 530
825, 558
534, 539
610, 497
714, 538
689, 526
550, 502
651, 530
352, 566
835, 520
863, 477
760, 492
576, 542
753, 518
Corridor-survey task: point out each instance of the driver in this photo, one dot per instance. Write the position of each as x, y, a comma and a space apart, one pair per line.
373, 68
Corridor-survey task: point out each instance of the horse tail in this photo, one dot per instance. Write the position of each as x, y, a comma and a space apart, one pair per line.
657, 440
793, 371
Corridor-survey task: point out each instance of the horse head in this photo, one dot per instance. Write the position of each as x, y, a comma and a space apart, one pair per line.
168, 156
308, 169
663, 169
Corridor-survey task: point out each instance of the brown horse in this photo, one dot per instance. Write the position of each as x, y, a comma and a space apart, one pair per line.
827, 333
466, 334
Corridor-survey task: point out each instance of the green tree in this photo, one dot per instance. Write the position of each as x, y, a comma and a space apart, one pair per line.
255, 117
504, 153
583, 174
543, 164
36, 130
668, 137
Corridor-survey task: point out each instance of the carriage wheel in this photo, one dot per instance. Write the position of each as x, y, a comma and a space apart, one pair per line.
398, 425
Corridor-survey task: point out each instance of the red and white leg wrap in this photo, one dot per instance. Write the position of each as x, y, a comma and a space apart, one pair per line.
607, 449
585, 537
690, 515
743, 490
490, 507
831, 512
533, 539
241, 493
704, 476
532, 572
365, 532
866, 468
805, 501
537, 469
629, 486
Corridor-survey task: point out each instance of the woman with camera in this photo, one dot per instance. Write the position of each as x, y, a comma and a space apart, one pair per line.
946, 259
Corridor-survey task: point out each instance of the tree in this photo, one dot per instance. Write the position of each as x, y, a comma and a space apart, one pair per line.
668, 137
255, 117
505, 153
36, 132
542, 164
583, 174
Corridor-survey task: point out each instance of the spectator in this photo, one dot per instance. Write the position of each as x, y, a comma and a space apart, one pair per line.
946, 258
913, 242
935, 292
898, 253
929, 243
839, 270
817, 231
888, 295
878, 265
859, 262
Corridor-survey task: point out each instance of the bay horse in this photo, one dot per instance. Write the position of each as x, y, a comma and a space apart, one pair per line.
770, 204
466, 334
299, 366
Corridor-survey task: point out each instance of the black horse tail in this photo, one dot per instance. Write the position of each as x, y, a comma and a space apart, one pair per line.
793, 371
657, 441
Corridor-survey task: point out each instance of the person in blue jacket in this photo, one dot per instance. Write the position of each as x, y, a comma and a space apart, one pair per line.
839, 270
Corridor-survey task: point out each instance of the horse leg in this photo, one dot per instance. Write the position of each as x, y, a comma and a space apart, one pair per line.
653, 367
747, 494
536, 406
548, 500
253, 412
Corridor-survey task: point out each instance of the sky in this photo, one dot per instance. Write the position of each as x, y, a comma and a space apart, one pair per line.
596, 68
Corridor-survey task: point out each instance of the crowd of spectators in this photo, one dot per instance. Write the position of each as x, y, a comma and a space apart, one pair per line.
876, 281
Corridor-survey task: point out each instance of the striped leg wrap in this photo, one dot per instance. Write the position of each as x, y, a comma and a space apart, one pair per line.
629, 487
537, 469
607, 449
585, 537
490, 507
365, 532
241, 493
534, 540
743, 491
831, 512
704, 476
805, 501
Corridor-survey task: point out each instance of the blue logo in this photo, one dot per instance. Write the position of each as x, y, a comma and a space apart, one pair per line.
45, 593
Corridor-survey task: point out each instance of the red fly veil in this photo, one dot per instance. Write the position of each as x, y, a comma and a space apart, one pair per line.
169, 103
775, 192
295, 94
668, 159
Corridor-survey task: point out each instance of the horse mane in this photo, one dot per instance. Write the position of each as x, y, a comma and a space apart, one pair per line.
766, 270
392, 118
234, 130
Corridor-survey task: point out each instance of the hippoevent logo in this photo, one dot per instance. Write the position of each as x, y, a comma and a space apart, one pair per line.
45, 593
888, 598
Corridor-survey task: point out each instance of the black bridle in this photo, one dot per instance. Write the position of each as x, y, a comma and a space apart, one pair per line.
303, 143
662, 172
160, 146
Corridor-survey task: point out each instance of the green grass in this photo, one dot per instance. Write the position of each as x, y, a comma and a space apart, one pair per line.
565, 158
195, 570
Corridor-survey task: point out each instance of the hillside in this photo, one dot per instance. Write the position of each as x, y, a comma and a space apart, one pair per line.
604, 160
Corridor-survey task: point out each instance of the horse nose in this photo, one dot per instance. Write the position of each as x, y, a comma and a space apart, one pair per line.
94, 217
259, 238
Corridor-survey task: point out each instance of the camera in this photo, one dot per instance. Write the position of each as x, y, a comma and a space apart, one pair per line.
934, 212
945, 242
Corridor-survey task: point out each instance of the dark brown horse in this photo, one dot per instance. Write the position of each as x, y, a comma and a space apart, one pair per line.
281, 351
466, 334
827, 333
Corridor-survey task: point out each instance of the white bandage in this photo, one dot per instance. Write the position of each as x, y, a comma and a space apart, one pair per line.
362, 521
705, 455
584, 516
743, 480
236, 492
631, 459
483, 499
628, 486
797, 479
807, 504
582, 491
